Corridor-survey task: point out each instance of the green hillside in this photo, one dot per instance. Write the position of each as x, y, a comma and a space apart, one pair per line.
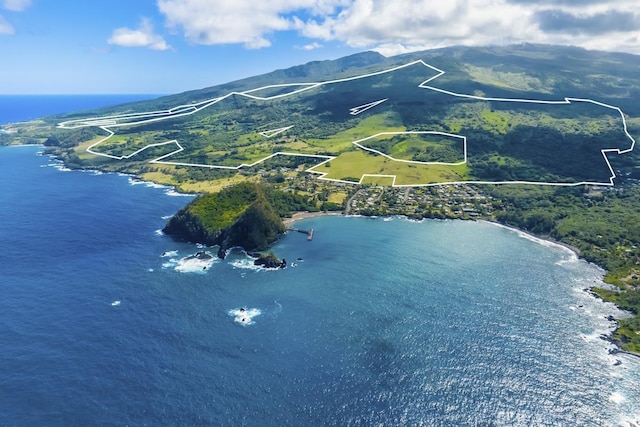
349, 135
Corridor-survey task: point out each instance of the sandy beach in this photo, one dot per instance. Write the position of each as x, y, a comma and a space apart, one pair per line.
536, 237
304, 215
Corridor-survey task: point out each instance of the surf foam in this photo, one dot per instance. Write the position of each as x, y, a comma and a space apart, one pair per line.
189, 264
244, 316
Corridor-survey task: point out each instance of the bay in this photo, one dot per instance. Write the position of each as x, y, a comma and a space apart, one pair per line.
105, 321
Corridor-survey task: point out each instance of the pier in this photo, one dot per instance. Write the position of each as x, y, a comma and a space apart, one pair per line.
309, 233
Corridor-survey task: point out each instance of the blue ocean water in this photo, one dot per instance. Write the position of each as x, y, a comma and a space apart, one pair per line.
105, 321
19, 108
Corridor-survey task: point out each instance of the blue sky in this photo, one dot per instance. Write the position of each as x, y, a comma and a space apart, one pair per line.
169, 46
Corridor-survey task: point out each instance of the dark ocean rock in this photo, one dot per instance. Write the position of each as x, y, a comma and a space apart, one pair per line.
270, 261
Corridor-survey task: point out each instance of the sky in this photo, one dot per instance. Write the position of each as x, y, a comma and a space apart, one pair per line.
169, 46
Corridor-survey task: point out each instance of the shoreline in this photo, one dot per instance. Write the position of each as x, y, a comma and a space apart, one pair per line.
527, 235
297, 216
545, 239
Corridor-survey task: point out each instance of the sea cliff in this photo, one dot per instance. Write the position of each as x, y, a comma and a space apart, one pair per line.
240, 215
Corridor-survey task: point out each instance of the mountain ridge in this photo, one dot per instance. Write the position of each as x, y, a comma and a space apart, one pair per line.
523, 55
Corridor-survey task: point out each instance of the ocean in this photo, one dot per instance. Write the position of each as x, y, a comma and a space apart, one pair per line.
382, 321
20, 108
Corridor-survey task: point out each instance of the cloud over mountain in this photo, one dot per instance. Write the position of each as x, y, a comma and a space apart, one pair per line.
394, 27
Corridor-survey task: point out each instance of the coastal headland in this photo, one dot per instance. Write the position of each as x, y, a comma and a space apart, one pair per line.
443, 134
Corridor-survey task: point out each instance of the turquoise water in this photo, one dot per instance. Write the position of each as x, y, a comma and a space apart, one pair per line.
104, 321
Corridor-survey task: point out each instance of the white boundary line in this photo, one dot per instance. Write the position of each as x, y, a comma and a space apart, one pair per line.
417, 162
362, 108
106, 123
273, 132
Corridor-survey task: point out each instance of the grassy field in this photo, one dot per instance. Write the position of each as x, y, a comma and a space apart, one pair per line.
354, 164
336, 144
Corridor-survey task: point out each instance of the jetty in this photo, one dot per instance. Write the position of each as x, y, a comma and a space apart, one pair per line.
309, 233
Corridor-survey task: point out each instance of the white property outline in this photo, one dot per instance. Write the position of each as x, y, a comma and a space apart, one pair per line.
273, 132
122, 120
362, 108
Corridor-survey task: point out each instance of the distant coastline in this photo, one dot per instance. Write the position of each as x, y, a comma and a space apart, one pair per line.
24, 108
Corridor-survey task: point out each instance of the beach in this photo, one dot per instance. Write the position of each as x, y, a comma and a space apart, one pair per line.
297, 216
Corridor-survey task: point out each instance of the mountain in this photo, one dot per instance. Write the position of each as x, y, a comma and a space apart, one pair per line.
525, 113
374, 135
569, 70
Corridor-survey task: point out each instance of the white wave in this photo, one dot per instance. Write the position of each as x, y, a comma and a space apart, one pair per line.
538, 240
418, 221
115, 303
159, 232
137, 181
58, 165
154, 185
593, 337
169, 253
173, 193
246, 264
617, 398
244, 316
626, 420
134, 181
191, 264
167, 217
571, 258
388, 219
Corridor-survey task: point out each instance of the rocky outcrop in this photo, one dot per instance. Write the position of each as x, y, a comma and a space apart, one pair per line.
270, 261
240, 215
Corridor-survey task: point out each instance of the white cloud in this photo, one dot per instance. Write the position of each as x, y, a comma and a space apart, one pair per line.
393, 27
143, 36
5, 27
401, 26
248, 22
16, 5
311, 46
